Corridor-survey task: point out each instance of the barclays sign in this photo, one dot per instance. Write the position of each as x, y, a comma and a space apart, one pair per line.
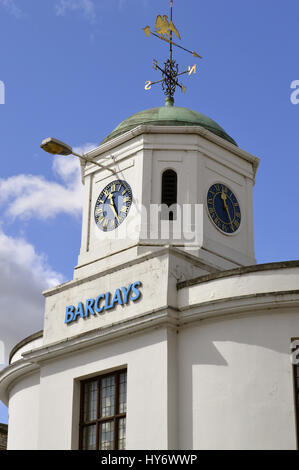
103, 302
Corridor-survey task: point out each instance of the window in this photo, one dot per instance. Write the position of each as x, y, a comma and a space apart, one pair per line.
169, 190
103, 412
295, 360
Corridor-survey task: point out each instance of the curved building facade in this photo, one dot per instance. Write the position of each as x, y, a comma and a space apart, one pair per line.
169, 336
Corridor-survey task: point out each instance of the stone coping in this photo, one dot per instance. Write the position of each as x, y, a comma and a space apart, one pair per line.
186, 130
25, 341
238, 272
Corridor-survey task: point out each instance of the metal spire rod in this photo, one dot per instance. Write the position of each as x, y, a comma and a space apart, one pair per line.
170, 52
164, 30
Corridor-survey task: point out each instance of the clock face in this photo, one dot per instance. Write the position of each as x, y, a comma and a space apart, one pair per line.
223, 208
113, 205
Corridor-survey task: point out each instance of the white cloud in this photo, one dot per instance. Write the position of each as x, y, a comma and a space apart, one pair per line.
11, 8
86, 7
24, 274
28, 196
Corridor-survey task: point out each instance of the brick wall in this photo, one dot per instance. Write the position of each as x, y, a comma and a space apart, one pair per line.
3, 436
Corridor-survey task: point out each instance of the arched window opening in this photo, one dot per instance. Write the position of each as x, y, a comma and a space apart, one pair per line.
169, 191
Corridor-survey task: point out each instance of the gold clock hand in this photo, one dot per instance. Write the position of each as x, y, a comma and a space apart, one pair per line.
224, 197
110, 197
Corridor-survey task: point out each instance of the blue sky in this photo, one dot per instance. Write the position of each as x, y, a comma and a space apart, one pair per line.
74, 69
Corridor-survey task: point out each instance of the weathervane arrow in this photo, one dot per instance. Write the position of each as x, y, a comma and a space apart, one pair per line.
164, 30
148, 31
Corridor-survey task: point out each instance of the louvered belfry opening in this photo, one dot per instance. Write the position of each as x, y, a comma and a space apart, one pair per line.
169, 191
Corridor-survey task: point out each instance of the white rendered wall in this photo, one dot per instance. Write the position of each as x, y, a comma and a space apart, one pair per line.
23, 426
220, 384
236, 384
199, 164
146, 358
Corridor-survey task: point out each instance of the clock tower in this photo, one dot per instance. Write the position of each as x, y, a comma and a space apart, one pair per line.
171, 178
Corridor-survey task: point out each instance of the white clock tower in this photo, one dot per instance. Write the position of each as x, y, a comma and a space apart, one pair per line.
172, 156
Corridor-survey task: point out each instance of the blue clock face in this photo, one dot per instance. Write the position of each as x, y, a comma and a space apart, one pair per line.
113, 205
223, 208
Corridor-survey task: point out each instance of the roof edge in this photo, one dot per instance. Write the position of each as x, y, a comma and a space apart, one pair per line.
169, 116
238, 272
166, 123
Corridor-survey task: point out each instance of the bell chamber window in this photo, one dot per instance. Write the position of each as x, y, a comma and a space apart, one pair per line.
103, 412
169, 192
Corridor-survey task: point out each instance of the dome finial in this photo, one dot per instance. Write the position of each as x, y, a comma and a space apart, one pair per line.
169, 101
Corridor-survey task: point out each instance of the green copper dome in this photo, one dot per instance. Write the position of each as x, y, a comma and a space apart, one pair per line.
169, 116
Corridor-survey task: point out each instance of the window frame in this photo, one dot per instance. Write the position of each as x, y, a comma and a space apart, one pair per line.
164, 192
98, 420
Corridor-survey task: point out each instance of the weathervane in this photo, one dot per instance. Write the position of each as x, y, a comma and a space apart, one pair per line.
164, 30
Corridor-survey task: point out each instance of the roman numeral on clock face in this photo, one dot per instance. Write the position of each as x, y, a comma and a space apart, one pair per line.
124, 209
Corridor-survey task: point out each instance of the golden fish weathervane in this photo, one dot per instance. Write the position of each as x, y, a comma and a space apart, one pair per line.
164, 30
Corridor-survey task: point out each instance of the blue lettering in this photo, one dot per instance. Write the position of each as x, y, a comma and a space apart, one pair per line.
88, 307
69, 314
79, 311
97, 303
117, 298
126, 293
107, 300
135, 289
91, 307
